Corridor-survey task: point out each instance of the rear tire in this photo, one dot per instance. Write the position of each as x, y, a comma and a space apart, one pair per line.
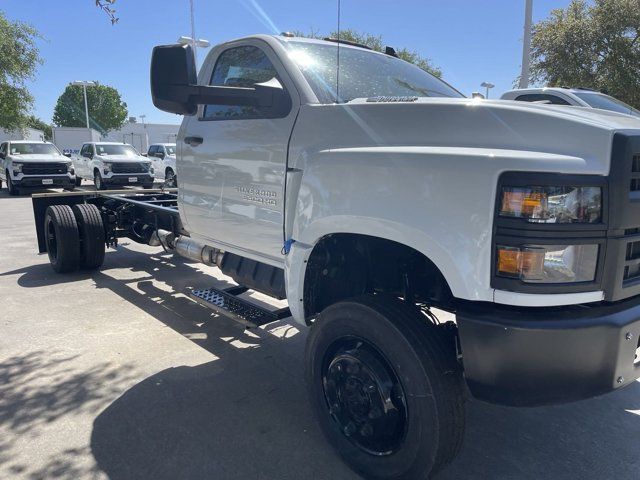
78, 181
386, 388
63, 240
13, 190
92, 236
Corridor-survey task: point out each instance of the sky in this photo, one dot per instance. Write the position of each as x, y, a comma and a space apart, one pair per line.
471, 41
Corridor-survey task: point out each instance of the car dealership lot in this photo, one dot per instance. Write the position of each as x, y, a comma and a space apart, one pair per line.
117, 374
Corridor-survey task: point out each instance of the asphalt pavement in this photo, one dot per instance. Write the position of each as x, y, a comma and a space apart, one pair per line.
117, 374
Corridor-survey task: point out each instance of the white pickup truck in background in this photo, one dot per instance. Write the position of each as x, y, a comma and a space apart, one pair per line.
27, 164
111, 164
369, 201
163, 159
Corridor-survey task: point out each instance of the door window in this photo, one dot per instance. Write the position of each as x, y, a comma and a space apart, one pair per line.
543, 98
240, 67
152, 151
3, 150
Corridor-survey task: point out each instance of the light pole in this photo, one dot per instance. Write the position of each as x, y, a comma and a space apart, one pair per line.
526, 45
142, 117
201, 42
84, 85
488, 86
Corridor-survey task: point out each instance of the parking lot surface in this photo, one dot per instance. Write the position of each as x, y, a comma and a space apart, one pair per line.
117, 374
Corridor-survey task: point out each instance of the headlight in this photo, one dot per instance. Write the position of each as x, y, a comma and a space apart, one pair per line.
106, 166
70, 167
552, 204
146, 166
548, 263
17, 167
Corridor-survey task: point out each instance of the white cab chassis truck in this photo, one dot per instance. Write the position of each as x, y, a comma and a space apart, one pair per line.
370, 204
112, 164
29, 164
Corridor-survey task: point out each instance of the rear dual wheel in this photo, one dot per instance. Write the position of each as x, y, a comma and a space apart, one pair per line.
386, 388
75, 237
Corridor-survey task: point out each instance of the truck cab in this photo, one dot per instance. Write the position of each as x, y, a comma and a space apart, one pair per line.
27, 164
372, 196
111, 164
163, 159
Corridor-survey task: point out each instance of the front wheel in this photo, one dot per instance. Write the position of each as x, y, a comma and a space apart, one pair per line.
78, 181
98, 182
386, 388
13, 190
170, 179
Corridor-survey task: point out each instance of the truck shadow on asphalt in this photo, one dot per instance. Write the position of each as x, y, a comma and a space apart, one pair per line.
245, 415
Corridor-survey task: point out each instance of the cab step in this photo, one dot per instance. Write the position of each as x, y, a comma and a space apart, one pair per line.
226, 302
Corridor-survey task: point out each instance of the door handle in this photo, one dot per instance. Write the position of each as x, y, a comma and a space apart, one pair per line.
193, 141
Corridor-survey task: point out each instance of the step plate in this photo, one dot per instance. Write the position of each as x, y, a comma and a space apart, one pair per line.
228, 304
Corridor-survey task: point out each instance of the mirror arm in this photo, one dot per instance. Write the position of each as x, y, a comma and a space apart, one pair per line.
238, 96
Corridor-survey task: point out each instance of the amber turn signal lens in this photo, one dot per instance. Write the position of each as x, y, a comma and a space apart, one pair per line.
525, 263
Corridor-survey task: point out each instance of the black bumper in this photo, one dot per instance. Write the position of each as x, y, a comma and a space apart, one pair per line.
141, 179
538, 356
37, 182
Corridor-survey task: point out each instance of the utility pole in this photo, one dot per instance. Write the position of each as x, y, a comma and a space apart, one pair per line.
84, 85
526, 44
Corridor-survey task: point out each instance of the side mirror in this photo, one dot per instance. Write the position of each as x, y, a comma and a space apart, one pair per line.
67, 154
144, 154
175, 89
160, 155
3, 156
477, 95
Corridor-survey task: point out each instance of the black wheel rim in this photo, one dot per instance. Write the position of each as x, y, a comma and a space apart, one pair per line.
170, 179
364, 396
52, 243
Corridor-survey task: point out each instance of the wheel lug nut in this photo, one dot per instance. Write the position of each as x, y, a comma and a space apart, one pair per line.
366, 430
375, 413
371, 388
350, 429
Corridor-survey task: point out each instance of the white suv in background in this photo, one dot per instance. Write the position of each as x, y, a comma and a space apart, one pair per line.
34, 164
163, 158
113, 164
578, 97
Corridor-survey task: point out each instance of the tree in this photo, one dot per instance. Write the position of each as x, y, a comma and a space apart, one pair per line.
106, 7
107, 111
376, 43
590, 44
35, 122
19, 58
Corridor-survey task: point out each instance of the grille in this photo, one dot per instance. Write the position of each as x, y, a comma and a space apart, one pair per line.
632, 257
48, 168
635, 174
128, 167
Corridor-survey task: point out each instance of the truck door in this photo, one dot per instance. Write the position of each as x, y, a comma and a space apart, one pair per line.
233, 158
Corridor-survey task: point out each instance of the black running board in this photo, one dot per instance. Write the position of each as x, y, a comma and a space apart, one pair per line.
226, 302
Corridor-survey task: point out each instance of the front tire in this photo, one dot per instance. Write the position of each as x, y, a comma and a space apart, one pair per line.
98, 182
62, 237
78, 181
92, 236
13, 190
386, 387
170, 179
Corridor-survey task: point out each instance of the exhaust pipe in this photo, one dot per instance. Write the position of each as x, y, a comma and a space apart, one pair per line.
186, 247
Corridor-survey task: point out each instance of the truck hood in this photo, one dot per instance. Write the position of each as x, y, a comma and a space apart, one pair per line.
31, 158
548, 138
121, 158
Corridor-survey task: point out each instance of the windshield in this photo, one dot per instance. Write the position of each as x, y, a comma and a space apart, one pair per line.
605, 102
33, 149
363, 74
171, 149
123, 150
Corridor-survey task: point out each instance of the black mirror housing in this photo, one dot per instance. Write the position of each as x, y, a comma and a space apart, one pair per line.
173, 69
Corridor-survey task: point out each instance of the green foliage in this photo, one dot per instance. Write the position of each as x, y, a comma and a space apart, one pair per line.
590, 44
35, 122
107, 111
19, 58
376, 43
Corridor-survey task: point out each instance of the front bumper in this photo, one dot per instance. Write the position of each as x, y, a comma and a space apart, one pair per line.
124, 179
44, 181
532, 356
